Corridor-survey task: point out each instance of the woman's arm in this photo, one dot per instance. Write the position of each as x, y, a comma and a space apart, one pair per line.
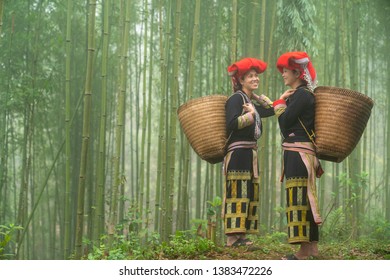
235, 119
262, 100
263, 105
288, 115
265, 112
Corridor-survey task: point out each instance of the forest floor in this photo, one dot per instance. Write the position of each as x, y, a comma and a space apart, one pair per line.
269, 248
332, 251
184, 246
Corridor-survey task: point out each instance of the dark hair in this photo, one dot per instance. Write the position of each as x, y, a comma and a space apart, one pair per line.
237, 86
296, 70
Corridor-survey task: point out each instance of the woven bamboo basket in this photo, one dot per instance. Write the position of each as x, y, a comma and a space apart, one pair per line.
341, 116
203, 122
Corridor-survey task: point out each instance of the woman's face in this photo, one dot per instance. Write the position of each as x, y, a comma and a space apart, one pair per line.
250, 81
290, 77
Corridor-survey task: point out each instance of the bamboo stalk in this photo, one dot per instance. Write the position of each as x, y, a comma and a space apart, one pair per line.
68, 46
86, 130
117, 177
173, 117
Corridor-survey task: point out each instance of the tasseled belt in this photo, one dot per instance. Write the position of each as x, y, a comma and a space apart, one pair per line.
242, 145
307, 152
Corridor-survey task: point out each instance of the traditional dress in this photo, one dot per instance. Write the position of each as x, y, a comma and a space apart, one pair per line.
296, 121
241, 189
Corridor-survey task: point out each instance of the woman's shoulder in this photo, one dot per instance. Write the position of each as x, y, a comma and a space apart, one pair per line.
236, 97
304, 92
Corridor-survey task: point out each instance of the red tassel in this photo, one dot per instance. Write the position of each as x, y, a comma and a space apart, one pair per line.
319, 171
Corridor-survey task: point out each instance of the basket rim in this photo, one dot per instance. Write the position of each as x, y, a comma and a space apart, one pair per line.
339, 89
197, 99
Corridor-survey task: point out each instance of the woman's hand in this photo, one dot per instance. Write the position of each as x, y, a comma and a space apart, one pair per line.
287, 94
248, 107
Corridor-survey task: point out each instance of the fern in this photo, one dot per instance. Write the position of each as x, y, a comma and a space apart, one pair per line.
335, 226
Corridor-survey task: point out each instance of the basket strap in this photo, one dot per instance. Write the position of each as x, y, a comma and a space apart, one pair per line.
311, 136
243, 101
244, 96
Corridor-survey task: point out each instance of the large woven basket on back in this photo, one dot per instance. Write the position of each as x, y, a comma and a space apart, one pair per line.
203, 122
341, 116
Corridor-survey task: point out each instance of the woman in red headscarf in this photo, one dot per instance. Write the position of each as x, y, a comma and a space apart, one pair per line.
296, 121
243, 123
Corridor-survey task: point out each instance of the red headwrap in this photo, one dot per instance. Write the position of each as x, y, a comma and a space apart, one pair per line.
239, 68
301, 62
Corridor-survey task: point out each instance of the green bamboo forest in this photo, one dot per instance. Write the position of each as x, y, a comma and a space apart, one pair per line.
94, 163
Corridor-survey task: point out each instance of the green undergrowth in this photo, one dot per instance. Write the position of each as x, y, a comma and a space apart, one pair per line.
187, 246
6, 234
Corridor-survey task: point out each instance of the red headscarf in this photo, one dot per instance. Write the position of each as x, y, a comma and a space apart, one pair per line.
239, 68
299, 61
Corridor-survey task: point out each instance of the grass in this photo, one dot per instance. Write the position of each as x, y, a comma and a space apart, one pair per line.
184, 246
275, 250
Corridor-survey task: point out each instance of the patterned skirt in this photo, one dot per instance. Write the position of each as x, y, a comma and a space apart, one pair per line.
241, 194
300, 222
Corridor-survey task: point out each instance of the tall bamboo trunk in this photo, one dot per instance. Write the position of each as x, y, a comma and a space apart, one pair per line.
337, 82
173, 116
162, 174
323, 182
354, 159
158, 199
86, 131
68, 46
1, 15
149, 117
220, 74
101, 170
387, 176
387, 179
23, 197
272, 95
262, 151
117, 177
4, 138
365, 154
144, 120
233, 54
343, 82
198, 172
189, 94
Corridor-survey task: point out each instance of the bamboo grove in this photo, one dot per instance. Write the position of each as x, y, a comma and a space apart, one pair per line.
91, 147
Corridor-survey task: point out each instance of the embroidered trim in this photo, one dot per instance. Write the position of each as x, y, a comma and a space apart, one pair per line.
311, 162
296, 182
279, 107
245, 120
264, 101
238, 175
